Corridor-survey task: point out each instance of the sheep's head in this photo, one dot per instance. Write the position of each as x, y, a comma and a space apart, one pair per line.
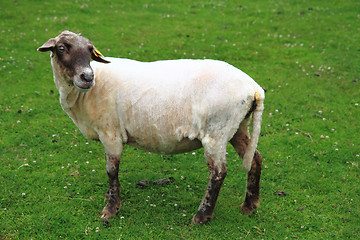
71, 54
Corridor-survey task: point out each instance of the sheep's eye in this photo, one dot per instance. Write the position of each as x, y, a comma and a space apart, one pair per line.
61, 49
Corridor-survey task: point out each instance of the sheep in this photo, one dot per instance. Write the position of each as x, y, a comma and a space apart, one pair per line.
166, 107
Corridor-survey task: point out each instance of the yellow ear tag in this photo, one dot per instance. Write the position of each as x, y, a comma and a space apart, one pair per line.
97, 52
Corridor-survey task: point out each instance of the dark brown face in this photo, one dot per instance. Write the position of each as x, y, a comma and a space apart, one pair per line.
72, 53
74, 57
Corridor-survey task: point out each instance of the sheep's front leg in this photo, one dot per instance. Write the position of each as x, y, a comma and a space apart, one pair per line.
216, 179
113, 194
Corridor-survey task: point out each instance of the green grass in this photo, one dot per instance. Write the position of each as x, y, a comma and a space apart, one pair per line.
306, 53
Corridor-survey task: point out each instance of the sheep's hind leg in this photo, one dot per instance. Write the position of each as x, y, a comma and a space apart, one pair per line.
217, 169
253, 185
240, 141
113, 193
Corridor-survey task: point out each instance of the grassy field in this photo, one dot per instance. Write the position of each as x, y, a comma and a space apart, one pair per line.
305, 53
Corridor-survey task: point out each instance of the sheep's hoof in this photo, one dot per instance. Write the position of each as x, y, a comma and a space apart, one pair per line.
110, 210
106, 222
249, 208
201, 218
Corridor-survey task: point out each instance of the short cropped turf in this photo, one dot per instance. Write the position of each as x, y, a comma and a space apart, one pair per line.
305, 53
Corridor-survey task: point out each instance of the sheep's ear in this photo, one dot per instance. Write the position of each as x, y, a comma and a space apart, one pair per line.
97, 56
48, 46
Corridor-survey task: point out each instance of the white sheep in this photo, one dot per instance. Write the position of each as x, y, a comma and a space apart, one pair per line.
166, 107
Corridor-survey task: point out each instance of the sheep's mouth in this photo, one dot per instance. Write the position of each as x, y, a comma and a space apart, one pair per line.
84, 86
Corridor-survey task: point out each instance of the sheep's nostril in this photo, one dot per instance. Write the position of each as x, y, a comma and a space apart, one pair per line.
87, 77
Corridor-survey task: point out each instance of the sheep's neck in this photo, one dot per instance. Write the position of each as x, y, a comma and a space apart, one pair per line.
68, 93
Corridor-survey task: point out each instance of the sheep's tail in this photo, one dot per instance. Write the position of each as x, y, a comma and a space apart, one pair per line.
255, 132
